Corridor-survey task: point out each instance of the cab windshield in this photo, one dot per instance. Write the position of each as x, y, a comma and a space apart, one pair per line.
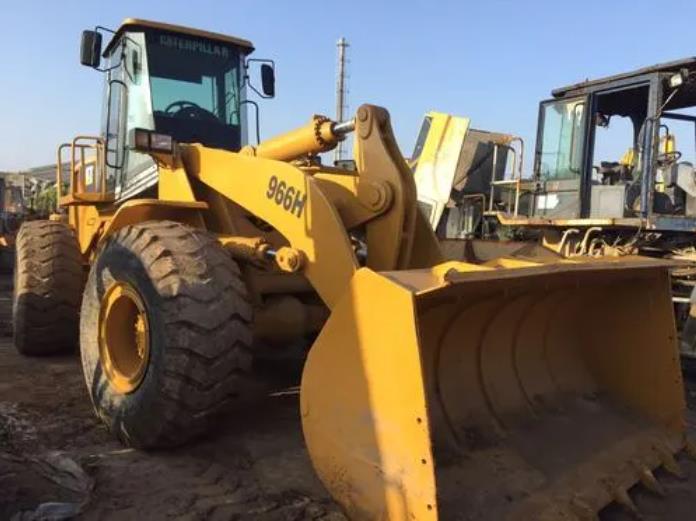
196, 89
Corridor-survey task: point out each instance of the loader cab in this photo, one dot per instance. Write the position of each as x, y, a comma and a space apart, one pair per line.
607, 149
180, 85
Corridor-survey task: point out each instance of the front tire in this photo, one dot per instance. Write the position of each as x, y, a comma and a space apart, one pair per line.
165, 333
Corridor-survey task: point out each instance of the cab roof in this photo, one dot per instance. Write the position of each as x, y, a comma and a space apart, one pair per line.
130, 24
592, 85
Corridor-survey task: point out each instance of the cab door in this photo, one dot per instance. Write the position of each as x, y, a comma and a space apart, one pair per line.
128, 105
559, 158
113, 117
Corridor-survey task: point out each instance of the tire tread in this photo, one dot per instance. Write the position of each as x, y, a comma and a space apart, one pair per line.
207, 330
49, 277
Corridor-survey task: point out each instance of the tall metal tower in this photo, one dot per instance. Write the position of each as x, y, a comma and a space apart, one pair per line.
341, 91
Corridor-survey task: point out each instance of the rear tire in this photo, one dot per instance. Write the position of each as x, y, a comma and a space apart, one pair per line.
48, 282
197, 357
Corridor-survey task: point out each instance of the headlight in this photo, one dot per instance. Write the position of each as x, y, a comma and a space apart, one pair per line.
145, 140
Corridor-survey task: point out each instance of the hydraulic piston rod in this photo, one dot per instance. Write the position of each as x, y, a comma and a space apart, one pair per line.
319, 135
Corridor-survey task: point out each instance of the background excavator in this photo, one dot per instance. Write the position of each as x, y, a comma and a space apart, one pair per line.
432, 388
613, 175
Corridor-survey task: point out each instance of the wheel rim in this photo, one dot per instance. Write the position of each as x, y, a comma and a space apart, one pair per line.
124, 337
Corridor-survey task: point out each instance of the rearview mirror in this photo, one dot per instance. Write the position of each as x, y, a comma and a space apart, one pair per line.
90, 49
267, 71
268, 80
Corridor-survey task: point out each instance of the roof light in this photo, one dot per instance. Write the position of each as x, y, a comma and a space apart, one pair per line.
676, 80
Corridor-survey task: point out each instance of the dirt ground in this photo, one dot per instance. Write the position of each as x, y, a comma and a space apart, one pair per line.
54, 450
255, 469
56, 457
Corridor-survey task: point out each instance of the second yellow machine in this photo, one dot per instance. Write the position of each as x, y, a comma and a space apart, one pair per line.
433, 389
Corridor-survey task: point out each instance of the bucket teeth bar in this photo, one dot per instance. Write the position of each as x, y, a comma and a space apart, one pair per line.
586, 506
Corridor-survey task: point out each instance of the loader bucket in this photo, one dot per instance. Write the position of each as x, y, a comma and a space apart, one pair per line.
477, 392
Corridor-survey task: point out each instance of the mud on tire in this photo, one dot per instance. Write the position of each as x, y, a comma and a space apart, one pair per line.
48, 282
198, 318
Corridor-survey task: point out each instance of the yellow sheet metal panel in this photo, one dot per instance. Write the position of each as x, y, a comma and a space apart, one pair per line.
437, 165
173, 183
342, 191
363, 405
390, 237
87, 223
427, 250
289, 200
140, 210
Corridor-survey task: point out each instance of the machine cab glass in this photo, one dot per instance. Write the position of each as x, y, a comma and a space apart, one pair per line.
187, 85
196, 89
559, 156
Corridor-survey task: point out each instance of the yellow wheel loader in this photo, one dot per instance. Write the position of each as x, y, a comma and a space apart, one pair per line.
433, 389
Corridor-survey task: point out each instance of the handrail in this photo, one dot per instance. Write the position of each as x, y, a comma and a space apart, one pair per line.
516, 172
76, 185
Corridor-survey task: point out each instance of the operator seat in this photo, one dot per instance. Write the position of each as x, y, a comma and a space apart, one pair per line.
614, 172
621, 171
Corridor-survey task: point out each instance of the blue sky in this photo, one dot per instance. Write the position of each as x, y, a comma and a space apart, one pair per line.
489, 60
